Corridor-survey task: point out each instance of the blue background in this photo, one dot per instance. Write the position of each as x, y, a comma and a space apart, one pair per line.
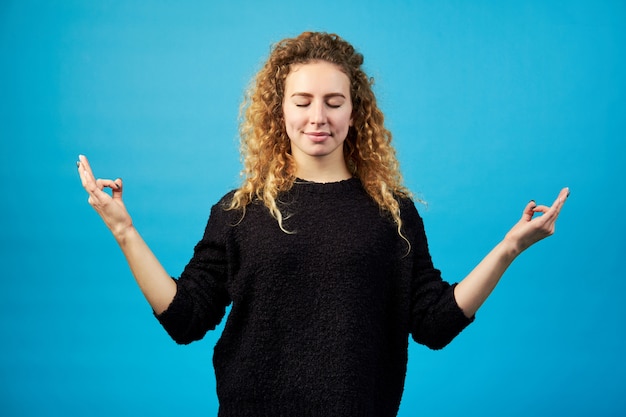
491, 103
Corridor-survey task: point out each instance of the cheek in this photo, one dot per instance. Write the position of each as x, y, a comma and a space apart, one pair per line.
290, 124
347, 120
290, 118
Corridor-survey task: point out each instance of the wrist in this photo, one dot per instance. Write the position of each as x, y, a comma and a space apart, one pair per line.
124, 233
510, 247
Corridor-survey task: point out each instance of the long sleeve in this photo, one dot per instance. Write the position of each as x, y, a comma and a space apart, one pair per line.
436, 318
201, 297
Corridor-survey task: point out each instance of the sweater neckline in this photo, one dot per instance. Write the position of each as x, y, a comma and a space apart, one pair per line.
327, 187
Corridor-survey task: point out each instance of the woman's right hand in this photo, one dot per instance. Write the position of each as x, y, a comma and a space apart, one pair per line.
110, 207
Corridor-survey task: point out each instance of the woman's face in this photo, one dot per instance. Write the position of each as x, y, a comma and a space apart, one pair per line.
318, 111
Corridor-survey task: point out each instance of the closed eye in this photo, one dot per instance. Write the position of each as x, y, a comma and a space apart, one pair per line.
332, 106
333, 100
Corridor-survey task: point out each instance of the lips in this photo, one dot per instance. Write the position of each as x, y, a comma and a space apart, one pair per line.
317, 136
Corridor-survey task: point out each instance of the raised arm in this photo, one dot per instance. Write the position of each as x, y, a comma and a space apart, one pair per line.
474, 289
156, 285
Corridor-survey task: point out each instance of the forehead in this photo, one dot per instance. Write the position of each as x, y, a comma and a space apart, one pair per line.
317, 76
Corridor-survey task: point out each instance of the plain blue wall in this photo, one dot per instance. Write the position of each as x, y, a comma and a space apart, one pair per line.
491, 104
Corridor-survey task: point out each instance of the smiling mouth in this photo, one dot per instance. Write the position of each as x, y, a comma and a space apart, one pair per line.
318, 134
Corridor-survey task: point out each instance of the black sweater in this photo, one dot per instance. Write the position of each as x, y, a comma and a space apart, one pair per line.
321, 315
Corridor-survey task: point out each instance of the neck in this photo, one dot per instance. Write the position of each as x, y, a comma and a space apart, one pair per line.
323, 171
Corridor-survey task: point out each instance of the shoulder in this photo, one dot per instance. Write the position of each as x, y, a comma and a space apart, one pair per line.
226, 213
412, 221
408, 210
221, 217
225, 200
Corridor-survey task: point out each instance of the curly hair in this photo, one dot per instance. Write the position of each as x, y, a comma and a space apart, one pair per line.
268, 166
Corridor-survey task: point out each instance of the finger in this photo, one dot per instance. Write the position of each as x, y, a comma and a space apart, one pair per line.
84, 164
555, 209
98, 198
81, 171
86, 175
103, 183
529, 210
558, 204
541, 209
117, 188
91, 184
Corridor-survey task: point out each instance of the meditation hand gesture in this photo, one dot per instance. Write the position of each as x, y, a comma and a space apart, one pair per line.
529, 230
474, 289
154, 281
110, 207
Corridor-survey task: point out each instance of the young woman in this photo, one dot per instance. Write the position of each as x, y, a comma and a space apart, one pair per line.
321, 250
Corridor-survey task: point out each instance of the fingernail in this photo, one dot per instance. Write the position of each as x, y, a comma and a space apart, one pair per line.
78, 164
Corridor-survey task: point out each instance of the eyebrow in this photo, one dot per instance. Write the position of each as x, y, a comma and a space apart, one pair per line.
330, 95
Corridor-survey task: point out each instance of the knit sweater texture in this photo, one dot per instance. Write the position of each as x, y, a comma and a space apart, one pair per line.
321, 316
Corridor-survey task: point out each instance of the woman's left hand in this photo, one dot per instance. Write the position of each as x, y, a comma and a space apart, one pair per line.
530, 230
474, 289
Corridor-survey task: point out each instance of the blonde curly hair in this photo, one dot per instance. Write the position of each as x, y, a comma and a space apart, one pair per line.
268, 166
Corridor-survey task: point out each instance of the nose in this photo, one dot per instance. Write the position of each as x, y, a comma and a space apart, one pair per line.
318, 114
